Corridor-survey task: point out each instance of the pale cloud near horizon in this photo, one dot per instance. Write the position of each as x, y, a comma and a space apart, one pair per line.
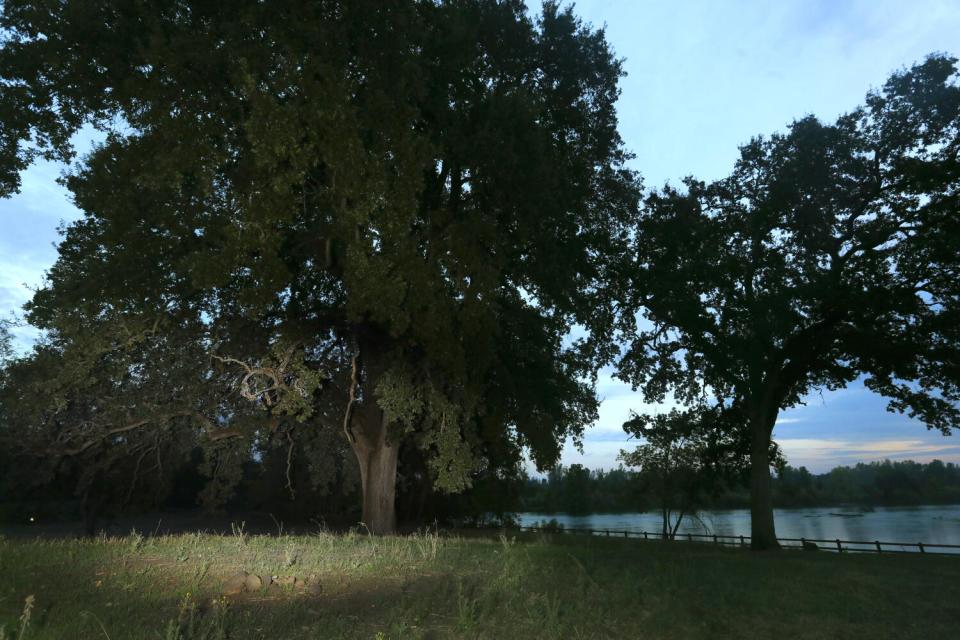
805, 432
817, 454
820, 454
864, 431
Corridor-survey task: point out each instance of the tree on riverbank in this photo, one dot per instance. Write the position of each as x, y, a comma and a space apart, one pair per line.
374, 219
831, 252
686, 457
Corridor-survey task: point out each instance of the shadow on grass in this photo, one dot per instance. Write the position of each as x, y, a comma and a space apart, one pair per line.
428, 586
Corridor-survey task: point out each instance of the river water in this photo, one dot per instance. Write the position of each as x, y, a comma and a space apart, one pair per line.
926, 524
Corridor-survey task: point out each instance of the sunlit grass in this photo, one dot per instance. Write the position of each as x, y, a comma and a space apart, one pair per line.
431, 585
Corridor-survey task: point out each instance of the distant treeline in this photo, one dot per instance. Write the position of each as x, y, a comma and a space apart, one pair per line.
575, 489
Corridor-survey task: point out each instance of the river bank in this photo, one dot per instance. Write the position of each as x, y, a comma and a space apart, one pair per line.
929, 524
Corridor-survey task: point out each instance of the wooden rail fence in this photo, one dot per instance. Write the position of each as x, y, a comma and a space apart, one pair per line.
836, 545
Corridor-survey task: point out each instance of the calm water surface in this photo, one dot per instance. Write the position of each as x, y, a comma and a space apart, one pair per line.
926, 524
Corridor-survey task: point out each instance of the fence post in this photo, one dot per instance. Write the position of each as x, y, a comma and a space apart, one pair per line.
920, 544
839, 548
877, 542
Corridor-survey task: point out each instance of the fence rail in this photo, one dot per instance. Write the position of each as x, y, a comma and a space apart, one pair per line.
835, 545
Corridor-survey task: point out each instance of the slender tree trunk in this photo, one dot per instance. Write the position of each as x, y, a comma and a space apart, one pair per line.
665, 496
377, 457
676, 525
763, 535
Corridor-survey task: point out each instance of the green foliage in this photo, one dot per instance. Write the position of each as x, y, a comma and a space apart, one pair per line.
402, 207
400, 398
565, 490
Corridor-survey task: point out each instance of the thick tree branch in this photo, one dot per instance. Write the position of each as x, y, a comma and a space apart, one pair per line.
213, 434
348, 414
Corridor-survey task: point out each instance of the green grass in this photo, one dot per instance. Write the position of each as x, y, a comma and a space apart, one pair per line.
429, 586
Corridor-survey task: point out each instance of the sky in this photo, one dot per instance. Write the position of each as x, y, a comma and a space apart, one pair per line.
703, 77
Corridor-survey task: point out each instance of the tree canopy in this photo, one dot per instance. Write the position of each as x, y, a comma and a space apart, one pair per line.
380, 218
831, 252
357, 235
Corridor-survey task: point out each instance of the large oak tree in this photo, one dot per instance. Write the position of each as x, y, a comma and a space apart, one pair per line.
380, 218
831, 252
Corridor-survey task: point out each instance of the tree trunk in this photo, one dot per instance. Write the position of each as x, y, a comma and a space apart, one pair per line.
676, 525
763, 535
377, 457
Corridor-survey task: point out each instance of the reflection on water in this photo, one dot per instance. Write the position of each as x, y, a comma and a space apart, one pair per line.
926, 524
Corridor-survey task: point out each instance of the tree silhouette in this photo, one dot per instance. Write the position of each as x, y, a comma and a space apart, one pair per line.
831, 252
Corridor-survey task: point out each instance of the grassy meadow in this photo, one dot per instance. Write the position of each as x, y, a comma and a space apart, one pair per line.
442, 586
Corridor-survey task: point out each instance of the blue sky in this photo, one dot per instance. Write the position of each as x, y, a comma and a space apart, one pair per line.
704, 76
